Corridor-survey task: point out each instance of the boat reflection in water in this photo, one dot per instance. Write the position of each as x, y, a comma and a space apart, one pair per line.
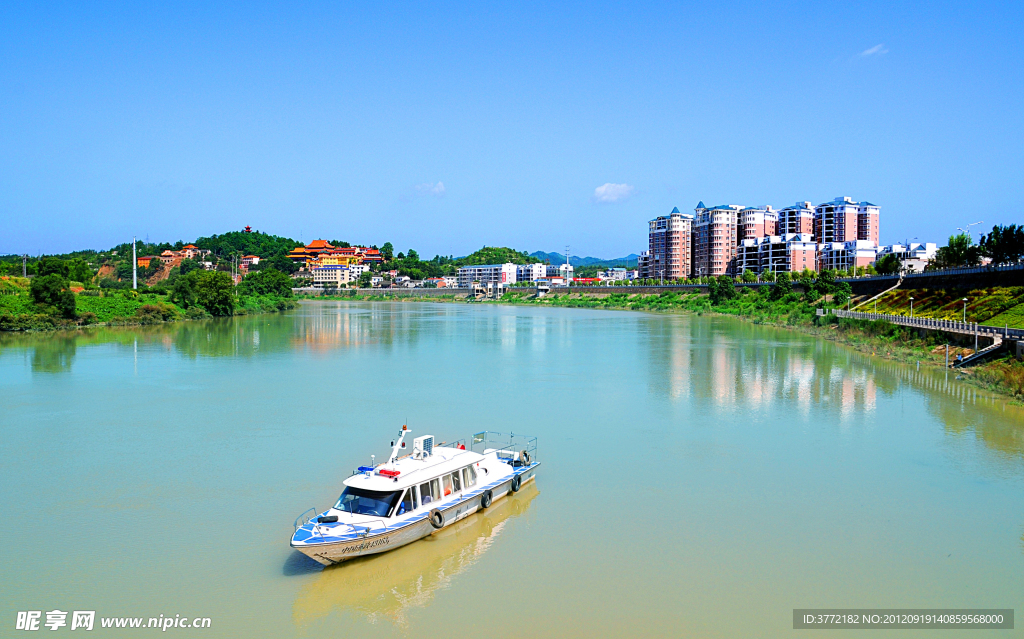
390, 584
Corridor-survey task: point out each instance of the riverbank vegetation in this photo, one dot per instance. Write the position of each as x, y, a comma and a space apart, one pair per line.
50, 300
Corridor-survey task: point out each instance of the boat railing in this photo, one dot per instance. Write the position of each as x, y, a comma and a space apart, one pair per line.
304, 519
454, 444
507, 442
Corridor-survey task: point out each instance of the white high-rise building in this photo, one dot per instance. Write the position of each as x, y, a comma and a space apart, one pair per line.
499, 275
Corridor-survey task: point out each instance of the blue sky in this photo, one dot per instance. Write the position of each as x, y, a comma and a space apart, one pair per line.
444, 127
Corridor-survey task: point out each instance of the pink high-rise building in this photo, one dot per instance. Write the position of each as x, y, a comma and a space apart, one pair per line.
756, 223
836, 221
715, 232
798, 218
669, 243
867, 222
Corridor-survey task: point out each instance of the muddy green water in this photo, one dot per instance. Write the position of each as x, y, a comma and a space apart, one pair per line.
701, 476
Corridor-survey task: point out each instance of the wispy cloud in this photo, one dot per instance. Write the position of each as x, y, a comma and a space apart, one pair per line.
437, 190
878, 49
608, 193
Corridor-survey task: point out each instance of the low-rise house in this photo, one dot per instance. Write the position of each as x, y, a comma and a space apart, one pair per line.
333, 276
170, 257
914, 256
144, 262
191, 252
249, 260
617, 274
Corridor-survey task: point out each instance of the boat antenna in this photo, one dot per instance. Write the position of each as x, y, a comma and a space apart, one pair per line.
398, 444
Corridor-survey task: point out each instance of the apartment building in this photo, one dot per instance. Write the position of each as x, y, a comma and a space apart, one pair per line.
643, 264
867, 222
715, 232
843, 255
530, 272
498, 275
843, 220
790, 253
757, 223
670, 246
797, 219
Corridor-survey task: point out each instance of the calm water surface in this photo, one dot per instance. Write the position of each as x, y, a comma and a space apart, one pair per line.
701, 476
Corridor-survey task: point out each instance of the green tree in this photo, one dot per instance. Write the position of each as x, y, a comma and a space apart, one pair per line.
183, 292
214, 291
1005, 244
959, 251
365, 280
888, 264
52, 266
782, 286
387, 251
188, 265
749, 276
79, 271
721, 289
52, 290
266, 282
413, 255
841, 294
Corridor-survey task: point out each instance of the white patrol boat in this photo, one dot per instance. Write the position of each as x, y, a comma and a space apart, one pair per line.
410, 497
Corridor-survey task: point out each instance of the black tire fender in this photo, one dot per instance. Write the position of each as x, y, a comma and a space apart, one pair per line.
516, 483
436, 519
485, 500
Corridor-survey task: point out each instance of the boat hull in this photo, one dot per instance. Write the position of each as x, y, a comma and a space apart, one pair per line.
330, 552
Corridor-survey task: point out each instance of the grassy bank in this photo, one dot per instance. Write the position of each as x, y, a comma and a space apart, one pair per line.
997, 305
18, 312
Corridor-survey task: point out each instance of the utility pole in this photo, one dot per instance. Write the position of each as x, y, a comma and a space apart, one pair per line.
24, 265
135, 267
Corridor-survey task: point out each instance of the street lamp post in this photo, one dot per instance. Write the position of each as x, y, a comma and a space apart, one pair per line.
965, 309
911, 307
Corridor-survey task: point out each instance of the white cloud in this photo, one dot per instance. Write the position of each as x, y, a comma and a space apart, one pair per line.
437, 190
878, 49
609, 192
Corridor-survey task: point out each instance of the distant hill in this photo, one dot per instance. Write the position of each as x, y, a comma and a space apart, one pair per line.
558, 258
495, 255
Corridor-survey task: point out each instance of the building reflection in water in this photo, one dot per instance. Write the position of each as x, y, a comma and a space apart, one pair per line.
389, 585
743, 365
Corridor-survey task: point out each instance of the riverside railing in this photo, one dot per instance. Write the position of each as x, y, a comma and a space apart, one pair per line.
952, 326
944, 272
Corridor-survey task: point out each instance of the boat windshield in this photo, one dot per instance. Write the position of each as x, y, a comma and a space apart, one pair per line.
366, 502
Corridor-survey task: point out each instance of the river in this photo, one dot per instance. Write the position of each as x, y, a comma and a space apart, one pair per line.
701, 476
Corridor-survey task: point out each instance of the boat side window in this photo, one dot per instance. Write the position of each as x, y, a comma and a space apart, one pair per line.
447, 481
408, 503
469, 476
456, 482
429, 492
